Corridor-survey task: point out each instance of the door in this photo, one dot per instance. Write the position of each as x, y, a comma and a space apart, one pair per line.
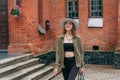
4, 24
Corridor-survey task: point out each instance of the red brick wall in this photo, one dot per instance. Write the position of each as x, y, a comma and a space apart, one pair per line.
23, 31
105, 37
118, 43
52, 10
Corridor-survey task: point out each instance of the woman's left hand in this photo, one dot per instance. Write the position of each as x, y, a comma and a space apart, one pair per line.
81, 70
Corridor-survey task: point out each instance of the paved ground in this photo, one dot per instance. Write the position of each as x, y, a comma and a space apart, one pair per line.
97, 72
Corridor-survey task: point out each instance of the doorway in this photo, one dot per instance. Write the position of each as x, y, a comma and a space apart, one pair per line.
4, 33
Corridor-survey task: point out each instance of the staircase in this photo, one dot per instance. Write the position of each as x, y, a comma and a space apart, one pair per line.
24, 67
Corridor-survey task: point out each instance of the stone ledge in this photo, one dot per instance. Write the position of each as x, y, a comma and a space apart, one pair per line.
116, 52
117, 60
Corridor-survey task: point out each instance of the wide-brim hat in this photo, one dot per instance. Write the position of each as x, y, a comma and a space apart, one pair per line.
62, 22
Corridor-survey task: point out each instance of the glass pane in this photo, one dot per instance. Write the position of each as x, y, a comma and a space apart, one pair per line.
95, 2
69, 3
70, 15
92, 7
99, 7
100, 2
100, 14
76, 8
70, 8
73, 15
92, 13
92, 2
96, 13
76, 3
76, 14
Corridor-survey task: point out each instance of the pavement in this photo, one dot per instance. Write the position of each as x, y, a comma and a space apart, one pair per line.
97, 72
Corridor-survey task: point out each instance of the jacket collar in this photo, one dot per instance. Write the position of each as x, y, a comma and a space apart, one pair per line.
63, 35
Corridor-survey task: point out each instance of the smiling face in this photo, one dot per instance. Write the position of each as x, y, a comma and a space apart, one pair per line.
68, 26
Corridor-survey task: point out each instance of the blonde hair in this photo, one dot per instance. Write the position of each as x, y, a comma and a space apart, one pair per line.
72, 30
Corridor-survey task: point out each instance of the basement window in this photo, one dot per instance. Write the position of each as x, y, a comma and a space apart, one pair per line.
95, 48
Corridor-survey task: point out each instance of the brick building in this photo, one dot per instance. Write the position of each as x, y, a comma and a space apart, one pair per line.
98, 20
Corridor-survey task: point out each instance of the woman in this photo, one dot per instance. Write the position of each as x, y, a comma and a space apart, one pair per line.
69, 53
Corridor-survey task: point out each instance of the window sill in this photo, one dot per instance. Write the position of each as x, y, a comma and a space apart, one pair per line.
77, 20
95, 22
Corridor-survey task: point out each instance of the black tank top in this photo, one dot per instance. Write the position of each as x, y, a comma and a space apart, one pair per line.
68, 47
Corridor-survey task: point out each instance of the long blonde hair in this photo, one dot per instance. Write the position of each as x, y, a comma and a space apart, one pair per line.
73, 30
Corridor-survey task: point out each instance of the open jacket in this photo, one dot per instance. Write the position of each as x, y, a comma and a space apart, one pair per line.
78, 52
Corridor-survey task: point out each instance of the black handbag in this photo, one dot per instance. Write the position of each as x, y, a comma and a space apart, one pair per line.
81, 76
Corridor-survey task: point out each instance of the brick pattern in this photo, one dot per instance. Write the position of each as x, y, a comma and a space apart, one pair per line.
23, 30
105, 38
118, 44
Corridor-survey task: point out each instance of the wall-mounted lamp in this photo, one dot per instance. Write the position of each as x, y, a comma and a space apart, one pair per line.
47, 24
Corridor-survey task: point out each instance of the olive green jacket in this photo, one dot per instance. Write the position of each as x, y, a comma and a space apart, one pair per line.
78, 52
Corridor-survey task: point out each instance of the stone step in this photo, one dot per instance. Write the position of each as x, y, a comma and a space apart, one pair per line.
14, 60
24, 72
13, 68
39, 74
49, 76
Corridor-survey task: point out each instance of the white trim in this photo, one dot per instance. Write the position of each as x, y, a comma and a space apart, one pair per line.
77, 20
95, 22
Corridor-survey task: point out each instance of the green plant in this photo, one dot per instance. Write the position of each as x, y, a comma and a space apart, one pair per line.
16, 11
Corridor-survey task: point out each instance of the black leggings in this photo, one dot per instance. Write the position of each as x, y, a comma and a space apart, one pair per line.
70, 71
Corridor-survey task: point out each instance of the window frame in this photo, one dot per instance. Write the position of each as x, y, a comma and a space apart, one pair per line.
73, 7
97, 10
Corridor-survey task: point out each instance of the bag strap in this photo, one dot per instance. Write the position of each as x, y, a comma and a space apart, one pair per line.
79, 75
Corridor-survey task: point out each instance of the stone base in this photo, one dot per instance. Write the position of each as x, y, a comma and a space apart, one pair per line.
47, 58
90, 57
116, 60
98, 57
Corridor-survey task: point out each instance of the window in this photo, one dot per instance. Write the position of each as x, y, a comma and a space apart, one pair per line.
95, 47
72, 9
95, 8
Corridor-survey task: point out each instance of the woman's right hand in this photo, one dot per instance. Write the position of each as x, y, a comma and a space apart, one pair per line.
55, 72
